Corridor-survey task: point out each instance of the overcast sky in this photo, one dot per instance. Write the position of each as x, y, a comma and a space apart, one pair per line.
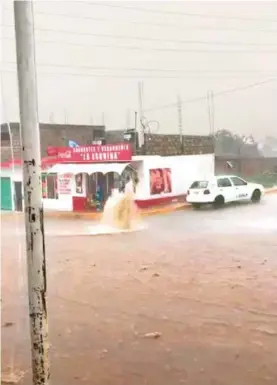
173, 47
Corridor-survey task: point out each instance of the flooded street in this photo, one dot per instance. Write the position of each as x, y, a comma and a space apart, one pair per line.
205, 281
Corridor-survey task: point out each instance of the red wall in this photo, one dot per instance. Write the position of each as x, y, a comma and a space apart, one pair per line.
79, 203
162, 201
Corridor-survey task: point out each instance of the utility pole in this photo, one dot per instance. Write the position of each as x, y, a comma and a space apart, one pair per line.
141, 115
103, 118
34, 222
212, 112
180, 119
209, 112
128, 119
135, 134
210, 106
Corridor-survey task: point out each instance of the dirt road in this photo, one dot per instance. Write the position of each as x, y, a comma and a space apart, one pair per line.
206, 281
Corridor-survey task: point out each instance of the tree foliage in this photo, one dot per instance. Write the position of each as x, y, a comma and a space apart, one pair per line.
230, 144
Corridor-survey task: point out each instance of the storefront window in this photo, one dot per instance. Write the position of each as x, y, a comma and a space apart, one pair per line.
49, 186
52, 186
44, 185
79, 183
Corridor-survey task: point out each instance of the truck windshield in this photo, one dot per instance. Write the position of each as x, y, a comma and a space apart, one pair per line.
199, 184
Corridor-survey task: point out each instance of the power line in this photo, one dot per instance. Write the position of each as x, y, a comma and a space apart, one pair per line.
155, 24
124, 76
216, 94
149, 38
169, 12
191, 14
172, 70
152, 49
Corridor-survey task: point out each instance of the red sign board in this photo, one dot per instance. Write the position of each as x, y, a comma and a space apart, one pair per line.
93, 153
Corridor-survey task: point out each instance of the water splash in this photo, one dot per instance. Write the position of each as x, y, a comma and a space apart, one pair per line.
120, 215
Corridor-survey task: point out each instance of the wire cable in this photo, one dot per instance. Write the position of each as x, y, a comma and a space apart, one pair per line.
190, 14
151, 49
153, 24
166, 70
177, 13
215, 94
149, 38
134, 76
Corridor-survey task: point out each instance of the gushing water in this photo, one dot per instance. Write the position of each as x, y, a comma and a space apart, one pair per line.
120, 215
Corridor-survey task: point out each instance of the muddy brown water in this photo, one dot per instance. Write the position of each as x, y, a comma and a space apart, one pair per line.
204, 281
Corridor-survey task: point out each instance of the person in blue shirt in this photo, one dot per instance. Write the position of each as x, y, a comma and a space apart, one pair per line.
99, 198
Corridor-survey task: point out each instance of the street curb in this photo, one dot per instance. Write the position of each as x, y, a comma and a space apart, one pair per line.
97, 216
271, 190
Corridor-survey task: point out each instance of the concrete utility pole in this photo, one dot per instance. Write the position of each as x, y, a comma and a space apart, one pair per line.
210, 105
141, 128
180, 117
34, 224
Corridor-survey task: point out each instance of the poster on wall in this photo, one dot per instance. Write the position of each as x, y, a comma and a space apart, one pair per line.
79, 183
44, 185
65, 184
160, 181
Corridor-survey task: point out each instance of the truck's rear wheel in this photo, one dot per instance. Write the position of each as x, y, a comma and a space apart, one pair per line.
196, 206
256, 196
219, 202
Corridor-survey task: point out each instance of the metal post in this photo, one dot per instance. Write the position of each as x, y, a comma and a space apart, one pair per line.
136, 134
141, 132
180, 120
209, 111
35, 244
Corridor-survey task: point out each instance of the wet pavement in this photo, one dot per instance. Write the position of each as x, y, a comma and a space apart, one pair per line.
205, 281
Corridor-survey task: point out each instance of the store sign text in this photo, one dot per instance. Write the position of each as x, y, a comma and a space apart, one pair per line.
94, 153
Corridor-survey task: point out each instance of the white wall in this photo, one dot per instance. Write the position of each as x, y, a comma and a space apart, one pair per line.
184, 170
64, 202
189, 168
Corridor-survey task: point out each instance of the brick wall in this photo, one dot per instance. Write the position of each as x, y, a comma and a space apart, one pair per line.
51, 135
155, 144
115, 136
167, 145
170, 145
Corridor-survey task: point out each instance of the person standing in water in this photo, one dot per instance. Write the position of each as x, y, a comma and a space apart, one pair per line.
99, 198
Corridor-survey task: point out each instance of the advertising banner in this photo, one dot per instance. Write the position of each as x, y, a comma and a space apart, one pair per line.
93, 153
160, 181
65, 184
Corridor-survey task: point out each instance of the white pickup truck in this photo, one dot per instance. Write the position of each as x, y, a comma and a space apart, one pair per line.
222, 189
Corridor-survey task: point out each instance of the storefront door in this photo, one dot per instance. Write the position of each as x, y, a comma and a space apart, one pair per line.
18, 196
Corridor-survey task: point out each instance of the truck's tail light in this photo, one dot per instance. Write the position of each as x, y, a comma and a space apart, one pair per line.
207, 192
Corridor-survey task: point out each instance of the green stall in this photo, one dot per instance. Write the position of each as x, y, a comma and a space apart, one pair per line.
6, 194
